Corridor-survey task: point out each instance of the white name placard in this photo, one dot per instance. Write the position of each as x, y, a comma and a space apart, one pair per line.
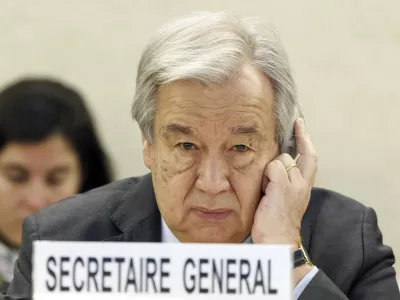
115, 270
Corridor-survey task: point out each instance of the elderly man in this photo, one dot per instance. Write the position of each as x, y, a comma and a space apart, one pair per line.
231, 162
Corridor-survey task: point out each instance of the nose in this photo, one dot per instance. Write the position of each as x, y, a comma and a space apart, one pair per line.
213, 175
36, 196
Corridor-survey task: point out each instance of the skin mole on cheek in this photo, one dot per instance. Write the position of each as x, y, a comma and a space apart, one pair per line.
164, 166
176, 165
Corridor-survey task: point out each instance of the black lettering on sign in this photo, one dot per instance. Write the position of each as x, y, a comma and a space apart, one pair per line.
119, 261
244, 271
93, 268
63, 273
230, 275
151, 270
192, 277
259, 278
270, 290
76, 286
141, 275
131, 276
51, 261
163, 274
105, 274
217, 276
202, 274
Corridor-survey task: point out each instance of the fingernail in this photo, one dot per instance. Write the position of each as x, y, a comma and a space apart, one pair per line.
301, 121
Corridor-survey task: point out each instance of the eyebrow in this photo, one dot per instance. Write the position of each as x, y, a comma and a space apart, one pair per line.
178, 128
243, 129
236, 130
60, 169
13, 166
21, 168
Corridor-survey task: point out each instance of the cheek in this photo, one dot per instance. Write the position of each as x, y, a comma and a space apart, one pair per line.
170, 164
241, 162
247, 185
9, 196
68, 188
246, 179
11, 209
74, 182
173, 178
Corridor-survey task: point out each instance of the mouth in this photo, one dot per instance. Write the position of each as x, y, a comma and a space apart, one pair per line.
212, 214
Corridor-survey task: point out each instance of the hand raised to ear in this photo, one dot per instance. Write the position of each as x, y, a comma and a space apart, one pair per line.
287, 193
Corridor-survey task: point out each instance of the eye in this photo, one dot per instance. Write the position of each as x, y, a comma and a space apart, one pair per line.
58, 177
187, 146
240, 148
17, 177
55, 180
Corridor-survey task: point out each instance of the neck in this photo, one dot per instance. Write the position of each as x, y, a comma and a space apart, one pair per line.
7, 243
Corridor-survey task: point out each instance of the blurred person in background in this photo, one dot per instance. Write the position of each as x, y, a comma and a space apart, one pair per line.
49, 151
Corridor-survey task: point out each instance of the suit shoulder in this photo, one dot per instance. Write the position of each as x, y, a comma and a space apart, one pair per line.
336, 225
336, 216
71, 218
324, 202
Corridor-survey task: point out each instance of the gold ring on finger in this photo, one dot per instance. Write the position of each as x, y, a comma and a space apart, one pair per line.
292, 166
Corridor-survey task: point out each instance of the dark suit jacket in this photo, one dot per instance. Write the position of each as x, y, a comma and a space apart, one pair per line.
340, 234
3, 286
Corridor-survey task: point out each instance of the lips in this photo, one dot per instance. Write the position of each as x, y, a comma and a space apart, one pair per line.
212, 214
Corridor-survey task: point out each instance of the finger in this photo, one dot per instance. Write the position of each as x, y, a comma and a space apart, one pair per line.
277, 181
276, 173
293, 173
307, 161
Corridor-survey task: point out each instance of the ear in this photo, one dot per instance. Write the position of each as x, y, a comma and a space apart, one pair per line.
147, 155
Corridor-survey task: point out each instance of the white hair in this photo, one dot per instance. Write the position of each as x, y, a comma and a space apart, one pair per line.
209, 48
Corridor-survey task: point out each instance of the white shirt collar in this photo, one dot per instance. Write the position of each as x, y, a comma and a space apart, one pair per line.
8, 256
166, 234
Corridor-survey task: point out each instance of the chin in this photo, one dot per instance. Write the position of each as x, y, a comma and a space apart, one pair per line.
212, 235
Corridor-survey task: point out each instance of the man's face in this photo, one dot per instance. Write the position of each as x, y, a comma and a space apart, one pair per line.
210, 148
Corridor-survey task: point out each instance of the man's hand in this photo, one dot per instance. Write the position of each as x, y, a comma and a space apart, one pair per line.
287, 194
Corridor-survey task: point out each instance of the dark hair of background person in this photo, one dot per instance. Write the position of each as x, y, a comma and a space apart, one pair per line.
33, 109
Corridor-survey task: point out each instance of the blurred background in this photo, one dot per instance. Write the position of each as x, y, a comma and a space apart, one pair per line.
344, 54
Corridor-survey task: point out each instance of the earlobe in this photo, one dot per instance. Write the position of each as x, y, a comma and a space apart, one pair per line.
146, 150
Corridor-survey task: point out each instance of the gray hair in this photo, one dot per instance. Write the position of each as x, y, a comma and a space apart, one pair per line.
208, 48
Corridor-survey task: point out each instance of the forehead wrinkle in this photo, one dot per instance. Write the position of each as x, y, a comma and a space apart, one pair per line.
241, 111
214, 100
218, 121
